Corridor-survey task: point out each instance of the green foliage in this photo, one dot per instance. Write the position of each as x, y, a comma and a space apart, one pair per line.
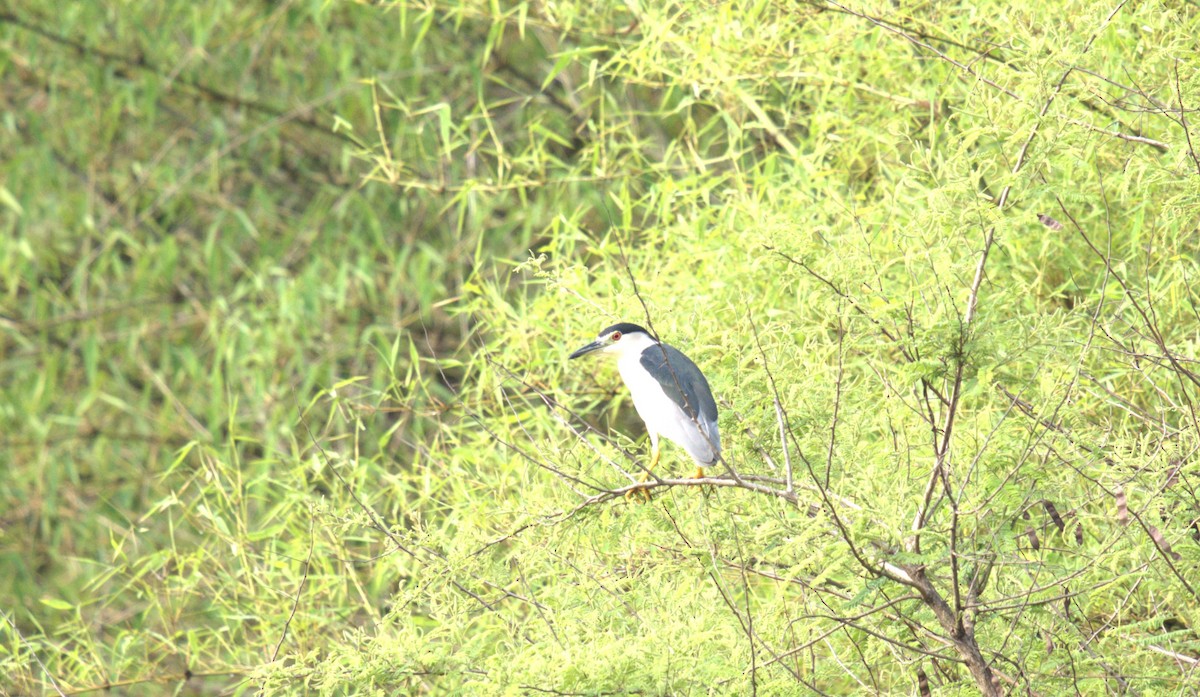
287, 291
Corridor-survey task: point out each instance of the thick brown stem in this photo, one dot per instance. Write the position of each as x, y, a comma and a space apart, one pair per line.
962, 635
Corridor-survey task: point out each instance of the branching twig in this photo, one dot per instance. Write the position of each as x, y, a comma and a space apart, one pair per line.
1187, 132
312, 539
928, 47
780, 412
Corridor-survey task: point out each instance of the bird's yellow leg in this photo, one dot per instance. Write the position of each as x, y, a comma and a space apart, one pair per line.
701, 474
640, 493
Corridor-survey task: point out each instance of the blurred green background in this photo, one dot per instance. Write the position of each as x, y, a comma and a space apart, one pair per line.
287, 290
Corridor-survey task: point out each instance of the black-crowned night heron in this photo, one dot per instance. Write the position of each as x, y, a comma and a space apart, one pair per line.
669, 392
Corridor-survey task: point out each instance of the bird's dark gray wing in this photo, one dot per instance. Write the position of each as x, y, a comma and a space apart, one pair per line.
683, 382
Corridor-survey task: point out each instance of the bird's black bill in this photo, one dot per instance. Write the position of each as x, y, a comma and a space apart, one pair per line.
594, 346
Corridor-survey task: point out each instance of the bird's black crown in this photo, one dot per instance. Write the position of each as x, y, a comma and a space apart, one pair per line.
626, 328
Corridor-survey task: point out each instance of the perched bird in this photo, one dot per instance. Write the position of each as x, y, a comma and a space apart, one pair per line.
669, 392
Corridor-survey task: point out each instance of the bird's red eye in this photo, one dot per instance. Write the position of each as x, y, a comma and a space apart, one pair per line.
616, 336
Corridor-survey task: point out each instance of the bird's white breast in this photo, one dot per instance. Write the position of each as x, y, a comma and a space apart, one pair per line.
662, 415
